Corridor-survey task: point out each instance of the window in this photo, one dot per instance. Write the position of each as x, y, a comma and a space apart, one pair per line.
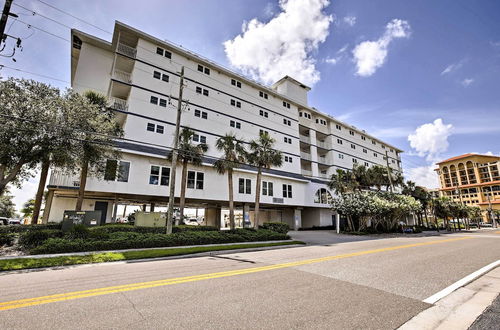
236, 103
287, 140
264, 95
353, 146
366, 164
200, 90
267, 188
236, 83
300, 114
392, 150
338, 127
339, 141
110, 170
159, 129
156, 75
306, 115
393, 161
383, 147
153, 100
287, 191
200, 114
162, 52
164, 77
320, 121
159, 175
261, 132
235, 124
199, 138
363, 137
374, 143
244, 186
288, 159
341, 156
195, 180
205, 92
159, 51
168, 54
323, 196
354, 160
163, 103
151, 127
351, 132
263, 113
286, 104
287, 122
203, 69
375, 154
365, 151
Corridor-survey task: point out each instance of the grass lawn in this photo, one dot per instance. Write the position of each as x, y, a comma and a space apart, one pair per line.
26, 263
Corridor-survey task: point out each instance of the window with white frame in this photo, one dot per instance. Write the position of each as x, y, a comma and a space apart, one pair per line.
159, 175
244, 186
203, 69
235, 124
287, 140
286, 104
264, 95
287, 122
163, 52
341, 156
236, 83
339, 141
288, 159
263, 113
200, 114
287, 191
199, 138
235, 103
116, 170
267, 188
337, 126
262, 132
195, 180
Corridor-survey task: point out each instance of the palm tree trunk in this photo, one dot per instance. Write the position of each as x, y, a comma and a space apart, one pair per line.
83, 183
183, 193
231, 199
257, 199
39, 193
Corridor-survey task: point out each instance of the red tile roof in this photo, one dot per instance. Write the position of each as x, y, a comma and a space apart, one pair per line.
464, 156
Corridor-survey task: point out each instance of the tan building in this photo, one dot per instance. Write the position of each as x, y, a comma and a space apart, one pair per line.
471, 179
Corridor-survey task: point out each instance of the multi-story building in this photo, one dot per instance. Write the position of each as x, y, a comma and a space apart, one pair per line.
140, 74
471, 179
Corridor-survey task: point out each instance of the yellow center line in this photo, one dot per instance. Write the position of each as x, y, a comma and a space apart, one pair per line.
185, 279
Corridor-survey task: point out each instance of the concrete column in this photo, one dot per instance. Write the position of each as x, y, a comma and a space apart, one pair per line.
152, 207
48, 205
314, 153
337, 223
297, 219
144, 207
246, 216
115, 211
212, 216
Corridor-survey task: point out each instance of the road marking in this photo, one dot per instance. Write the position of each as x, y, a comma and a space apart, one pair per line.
178, 280
460, 283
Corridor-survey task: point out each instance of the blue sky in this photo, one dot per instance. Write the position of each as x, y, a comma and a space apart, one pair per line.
396, 68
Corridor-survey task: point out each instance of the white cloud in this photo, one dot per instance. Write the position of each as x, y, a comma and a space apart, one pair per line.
339, 55
423, 176
431, 139
350, 20
284, 45
467, 82
26, 192
453, 67
371, 55
332, 60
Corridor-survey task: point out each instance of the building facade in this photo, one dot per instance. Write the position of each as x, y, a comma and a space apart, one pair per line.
140, 75
473, 180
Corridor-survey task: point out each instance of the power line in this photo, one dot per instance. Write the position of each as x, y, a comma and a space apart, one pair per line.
42, 30
41, 15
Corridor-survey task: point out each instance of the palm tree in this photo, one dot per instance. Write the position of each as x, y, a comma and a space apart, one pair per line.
262, 155
378, 177
343, 182
233, 154
188, 152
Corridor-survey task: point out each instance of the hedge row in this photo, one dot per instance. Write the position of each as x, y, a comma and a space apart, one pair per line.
7, 239
25, 228
276, 226
132, 240
112, 228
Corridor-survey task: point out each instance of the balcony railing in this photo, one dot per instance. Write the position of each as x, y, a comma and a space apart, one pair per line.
306, 172
118, 104
305, 155
126, 50
321, 144
62, 179
122, 76
324, 175
305, 139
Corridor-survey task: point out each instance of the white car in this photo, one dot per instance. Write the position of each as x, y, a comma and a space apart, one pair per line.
4, 221
191, 222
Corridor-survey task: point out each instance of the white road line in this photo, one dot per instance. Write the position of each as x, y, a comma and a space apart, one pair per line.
464, 281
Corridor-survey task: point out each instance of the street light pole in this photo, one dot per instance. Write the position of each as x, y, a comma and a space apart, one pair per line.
170, 210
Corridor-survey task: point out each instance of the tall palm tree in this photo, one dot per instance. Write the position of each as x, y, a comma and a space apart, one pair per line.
188, 152
262, 155
233, 155
343, 182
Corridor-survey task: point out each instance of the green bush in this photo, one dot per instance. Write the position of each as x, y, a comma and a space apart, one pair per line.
79, 231
113, 228
278, 227
7, 239
134, 240
33, 238
25, 228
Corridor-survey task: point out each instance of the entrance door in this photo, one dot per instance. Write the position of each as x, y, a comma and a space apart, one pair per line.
103, 207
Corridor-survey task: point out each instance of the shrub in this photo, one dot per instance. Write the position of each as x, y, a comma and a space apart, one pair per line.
25, 228
278, 227
79, 231
35, 238
133, 240
7, 239
113, 228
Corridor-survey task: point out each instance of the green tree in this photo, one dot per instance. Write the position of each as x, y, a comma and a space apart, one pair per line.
98, 130
28, 208
233, 154
262, 156
188, 153
343, 182
377, 177
7, 207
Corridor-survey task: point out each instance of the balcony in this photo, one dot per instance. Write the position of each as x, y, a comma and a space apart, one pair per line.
62, 179
322, 144
123, 76
305, 155
126, 50
306, 172
305, 139
118, 104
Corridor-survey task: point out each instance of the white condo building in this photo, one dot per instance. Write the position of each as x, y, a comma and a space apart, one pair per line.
140, 75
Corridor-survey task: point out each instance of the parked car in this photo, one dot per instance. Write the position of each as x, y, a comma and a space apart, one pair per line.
14, 222
4, 221
486, 224
191, 221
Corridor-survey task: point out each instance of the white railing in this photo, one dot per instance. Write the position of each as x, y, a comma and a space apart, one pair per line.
122, 76
62, 179
118, 104
126, 50
305, 139
323, 175
305, 155
306, 172
321, 144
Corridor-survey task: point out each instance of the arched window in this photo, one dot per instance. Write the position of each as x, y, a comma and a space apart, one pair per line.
322, 196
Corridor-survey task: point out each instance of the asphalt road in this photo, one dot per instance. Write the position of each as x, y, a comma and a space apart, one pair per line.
340, 283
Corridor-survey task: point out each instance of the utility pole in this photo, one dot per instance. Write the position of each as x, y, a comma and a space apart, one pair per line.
490, 211
5, 16
389, 175
170, 211
462, 203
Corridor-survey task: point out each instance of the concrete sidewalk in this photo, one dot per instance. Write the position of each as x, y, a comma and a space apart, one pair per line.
462, 307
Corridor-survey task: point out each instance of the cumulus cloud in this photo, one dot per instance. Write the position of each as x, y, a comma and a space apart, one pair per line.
350, 20
423, 176
453, 67
467, 82
284, 45
371, 55
431, 139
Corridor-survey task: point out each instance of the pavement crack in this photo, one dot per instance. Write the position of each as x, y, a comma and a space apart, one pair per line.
133, 306
235, 259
